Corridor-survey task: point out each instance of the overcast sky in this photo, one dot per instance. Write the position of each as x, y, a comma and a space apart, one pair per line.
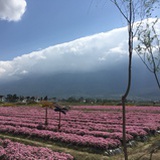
39, 36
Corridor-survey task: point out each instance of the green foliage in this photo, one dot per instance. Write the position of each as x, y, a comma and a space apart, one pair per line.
148, 47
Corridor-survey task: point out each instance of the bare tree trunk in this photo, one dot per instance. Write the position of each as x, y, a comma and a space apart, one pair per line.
155, 72
46, 116
124, 128
59, 125
124, 97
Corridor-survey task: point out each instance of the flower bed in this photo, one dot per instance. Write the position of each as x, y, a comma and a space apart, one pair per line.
13, 150
97, 127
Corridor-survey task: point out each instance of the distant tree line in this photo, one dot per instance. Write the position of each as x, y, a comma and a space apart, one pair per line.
16, 98
81, 100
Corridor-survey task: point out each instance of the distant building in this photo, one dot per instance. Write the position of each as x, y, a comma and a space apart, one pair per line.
2, 98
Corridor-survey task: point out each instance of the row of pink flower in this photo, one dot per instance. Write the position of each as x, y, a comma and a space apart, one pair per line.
128, 108
74, 139
78, 119
75, 130
90, 123
33, 111
13, 150
152, 122
98, 130
101, 117
90, 118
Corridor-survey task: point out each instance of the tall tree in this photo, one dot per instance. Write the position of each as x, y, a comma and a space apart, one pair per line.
131, 10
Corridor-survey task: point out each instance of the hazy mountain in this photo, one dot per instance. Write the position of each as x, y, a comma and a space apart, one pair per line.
101, 84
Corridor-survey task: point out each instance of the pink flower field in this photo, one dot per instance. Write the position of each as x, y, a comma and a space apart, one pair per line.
96, 127
13, 150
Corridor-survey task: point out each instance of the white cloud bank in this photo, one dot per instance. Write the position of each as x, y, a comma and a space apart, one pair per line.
12, 10
87, 54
